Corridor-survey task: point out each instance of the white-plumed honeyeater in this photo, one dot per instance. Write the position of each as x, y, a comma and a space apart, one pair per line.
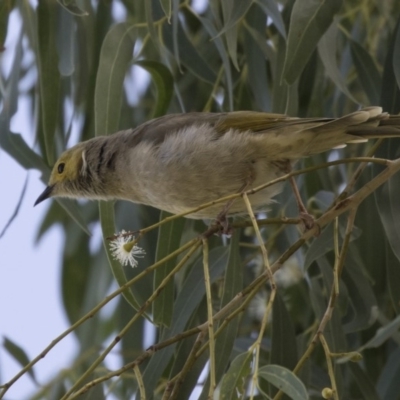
178, 162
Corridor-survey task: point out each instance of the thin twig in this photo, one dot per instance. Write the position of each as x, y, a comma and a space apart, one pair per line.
331, 372
147, 303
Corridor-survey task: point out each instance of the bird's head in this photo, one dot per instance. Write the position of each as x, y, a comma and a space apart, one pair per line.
66, 176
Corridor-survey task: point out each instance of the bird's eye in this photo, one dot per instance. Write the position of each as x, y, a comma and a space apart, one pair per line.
60, 168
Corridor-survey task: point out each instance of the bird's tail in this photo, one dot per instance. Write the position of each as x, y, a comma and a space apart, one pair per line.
357, 127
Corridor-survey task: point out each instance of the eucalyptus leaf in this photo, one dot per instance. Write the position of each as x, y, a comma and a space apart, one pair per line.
233, 284
5, 9
383, 334
49, 73
108, 229
309, 21
284, 380
115, 57
233, 384
396, 58
234, 11
367, 71
19, 355
169, 238
187, 300
272, 11
73, 8
327, 49
163, 80
225, 60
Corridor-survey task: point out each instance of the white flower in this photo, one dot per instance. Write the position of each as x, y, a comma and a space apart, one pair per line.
124, 250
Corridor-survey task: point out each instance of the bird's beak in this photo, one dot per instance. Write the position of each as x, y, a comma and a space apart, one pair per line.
45, 195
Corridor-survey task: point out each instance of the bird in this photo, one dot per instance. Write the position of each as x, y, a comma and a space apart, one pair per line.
178, 162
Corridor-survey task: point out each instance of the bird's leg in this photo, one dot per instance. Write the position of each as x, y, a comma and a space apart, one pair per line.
222, 219
305, 216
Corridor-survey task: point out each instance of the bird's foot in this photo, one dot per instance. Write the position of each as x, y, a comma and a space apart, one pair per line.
223, 222
308, 222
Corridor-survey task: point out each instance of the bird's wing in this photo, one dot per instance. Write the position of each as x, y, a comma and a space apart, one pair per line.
245, 121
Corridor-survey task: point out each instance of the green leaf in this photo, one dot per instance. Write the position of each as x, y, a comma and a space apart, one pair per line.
164, 82
388, 384
234, 383
383, 334
389, 209
189, 56
16, 147
108, 228
5, 8
324, 243
19, 355
49, 76
72, 7
187, 300
362, 304
390, 92
271, 9
257, 66
66, 44
367, 71
169, 239
392, 278
233, 284
73, 210
364, 382
327, 49
150, 23
396, 58
283, 346
225, 60
115, 57
233, 12
284, 380
309, 21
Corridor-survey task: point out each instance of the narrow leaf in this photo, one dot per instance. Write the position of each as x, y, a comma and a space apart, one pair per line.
233, 284
169, 238
364, 382
5, 9
72, 7
257, 65
49, 76
309, 21
164, 83
396, 58
66, 43
225, 60
108, 228
187, 300
115, 56
233, 384
284, 380
388, 385
234, 11
283, 347
327, 50
390, 92
189, 56
367, 71
19, 355
383, 334
271, 9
